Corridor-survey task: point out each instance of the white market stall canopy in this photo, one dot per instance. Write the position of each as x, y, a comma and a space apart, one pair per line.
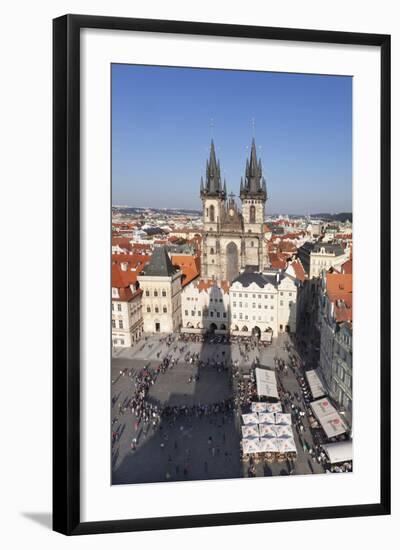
330, 420
266, 383
339, 452
283, 418
259, 407
251, 418
251, 446
250, 430
284, 431
268, 445
266, 418
316, 387
267, 430
274, 407
286, 445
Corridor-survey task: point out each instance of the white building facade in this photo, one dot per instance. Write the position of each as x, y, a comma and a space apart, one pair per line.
205, 306
161, 285
263, 303
126, 315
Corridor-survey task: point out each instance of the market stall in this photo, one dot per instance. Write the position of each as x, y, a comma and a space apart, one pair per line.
328, 417
266, 383
316, 386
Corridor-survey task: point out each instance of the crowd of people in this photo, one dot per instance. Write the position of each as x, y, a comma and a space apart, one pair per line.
149, 414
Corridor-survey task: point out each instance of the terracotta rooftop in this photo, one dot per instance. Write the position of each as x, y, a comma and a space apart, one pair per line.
205, 284
339, 287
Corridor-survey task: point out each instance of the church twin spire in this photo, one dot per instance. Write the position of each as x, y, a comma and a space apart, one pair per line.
213, 185
254, 184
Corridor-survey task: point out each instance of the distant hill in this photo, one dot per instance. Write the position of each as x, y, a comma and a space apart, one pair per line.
341, 217
168, 211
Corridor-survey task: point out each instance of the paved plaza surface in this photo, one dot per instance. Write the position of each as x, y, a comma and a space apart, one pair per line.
191, 447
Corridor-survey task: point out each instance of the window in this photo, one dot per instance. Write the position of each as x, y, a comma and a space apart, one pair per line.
156, 309
234, 294
253, 305
147, 293
119, 307
272, 307
224, 315
240, 316
121, 324
240, 294
240, 304
112, 307
290, 293
164, 309
234, 316
211, 314
281, 293
259, 306
199, 313
281, 303
212, 213
272, 318
259, 296
246, 317
252, 243
113, 323
265, 307
211, 251
254, 295
155, 293
218, 314
252, 215
234, 304
186, 312
148, 309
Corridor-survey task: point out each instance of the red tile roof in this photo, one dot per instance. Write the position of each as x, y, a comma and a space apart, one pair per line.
347, 267
205, 284
299, 270
123, 280
277, 260
189, 265
339, 287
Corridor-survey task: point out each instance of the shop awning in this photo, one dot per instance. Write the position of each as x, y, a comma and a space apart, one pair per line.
341, 451
316, 386
266, 383
328, 417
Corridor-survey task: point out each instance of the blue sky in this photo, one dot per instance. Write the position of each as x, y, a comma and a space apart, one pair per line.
163, 119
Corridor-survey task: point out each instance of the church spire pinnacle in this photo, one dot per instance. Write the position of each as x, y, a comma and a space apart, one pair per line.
213, 184
253, 184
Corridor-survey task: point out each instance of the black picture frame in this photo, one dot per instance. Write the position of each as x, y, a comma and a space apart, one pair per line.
66, 273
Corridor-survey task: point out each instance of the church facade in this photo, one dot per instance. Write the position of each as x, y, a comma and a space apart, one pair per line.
233, 240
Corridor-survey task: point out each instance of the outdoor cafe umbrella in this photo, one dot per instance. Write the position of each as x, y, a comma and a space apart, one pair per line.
274, 407
250, 418
258, 407
250, 431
